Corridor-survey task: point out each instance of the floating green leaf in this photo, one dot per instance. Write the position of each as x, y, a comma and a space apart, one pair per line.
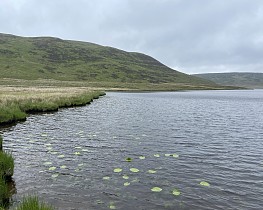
61, 156
151, 171
77, 153
85, 150
52, 168
78, 147
106, 178
112, 206
55, 175
125, 177
128, 159
117, 170
156, 155
47, 163
134, 170
99, 202
135, 180
126, 184
63, 167
206, 184
175, 155
167, 155
142, 157
48, 144
156, 189
176, 192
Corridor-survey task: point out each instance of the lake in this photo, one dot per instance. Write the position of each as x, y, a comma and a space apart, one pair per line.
145, 151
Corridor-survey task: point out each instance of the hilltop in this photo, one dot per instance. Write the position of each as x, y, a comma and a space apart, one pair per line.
248, 80
49, 58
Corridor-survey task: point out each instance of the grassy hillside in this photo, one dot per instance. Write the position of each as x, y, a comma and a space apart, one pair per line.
63, 60
249, 80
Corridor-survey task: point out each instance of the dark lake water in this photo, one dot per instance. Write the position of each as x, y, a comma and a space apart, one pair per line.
175, 139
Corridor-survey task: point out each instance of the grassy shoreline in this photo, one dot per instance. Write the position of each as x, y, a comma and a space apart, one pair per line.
17, 102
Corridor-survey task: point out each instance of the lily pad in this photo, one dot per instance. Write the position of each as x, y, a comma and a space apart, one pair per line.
52, 168
125, 177
55, 175
77, 153
106, 178
128, 159
156, 189
142, 157
156, 155
85, 150
167, 155
117, 170
176, 192
151, 171
206, 184
61, 156
134, 170
112, 206
47, 163
63, 167
175, 155
126, 184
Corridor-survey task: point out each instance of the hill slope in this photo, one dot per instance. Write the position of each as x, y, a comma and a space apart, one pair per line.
249, 80
54, 58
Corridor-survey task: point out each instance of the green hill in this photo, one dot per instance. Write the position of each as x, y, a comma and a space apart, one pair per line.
63, 60
248, 80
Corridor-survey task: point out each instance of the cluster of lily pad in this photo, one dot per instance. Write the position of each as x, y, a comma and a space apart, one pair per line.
77, 152
155, 189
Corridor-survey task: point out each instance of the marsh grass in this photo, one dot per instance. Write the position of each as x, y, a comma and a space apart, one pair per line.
4, 193
6, 165
17, 102
1, 143
33, 203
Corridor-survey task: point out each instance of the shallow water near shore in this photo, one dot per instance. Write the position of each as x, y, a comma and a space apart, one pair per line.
145, 151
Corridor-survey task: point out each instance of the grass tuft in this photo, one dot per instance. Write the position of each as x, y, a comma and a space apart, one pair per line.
33, 203
6, 165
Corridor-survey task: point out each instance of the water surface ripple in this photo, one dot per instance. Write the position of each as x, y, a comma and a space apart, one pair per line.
68, 157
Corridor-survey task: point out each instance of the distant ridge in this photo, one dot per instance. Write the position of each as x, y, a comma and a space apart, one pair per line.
246, 79
31, 58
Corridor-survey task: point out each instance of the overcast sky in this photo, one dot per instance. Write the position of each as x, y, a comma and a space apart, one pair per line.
192, 36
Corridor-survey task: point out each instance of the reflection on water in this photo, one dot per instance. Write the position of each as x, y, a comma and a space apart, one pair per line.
77, 158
